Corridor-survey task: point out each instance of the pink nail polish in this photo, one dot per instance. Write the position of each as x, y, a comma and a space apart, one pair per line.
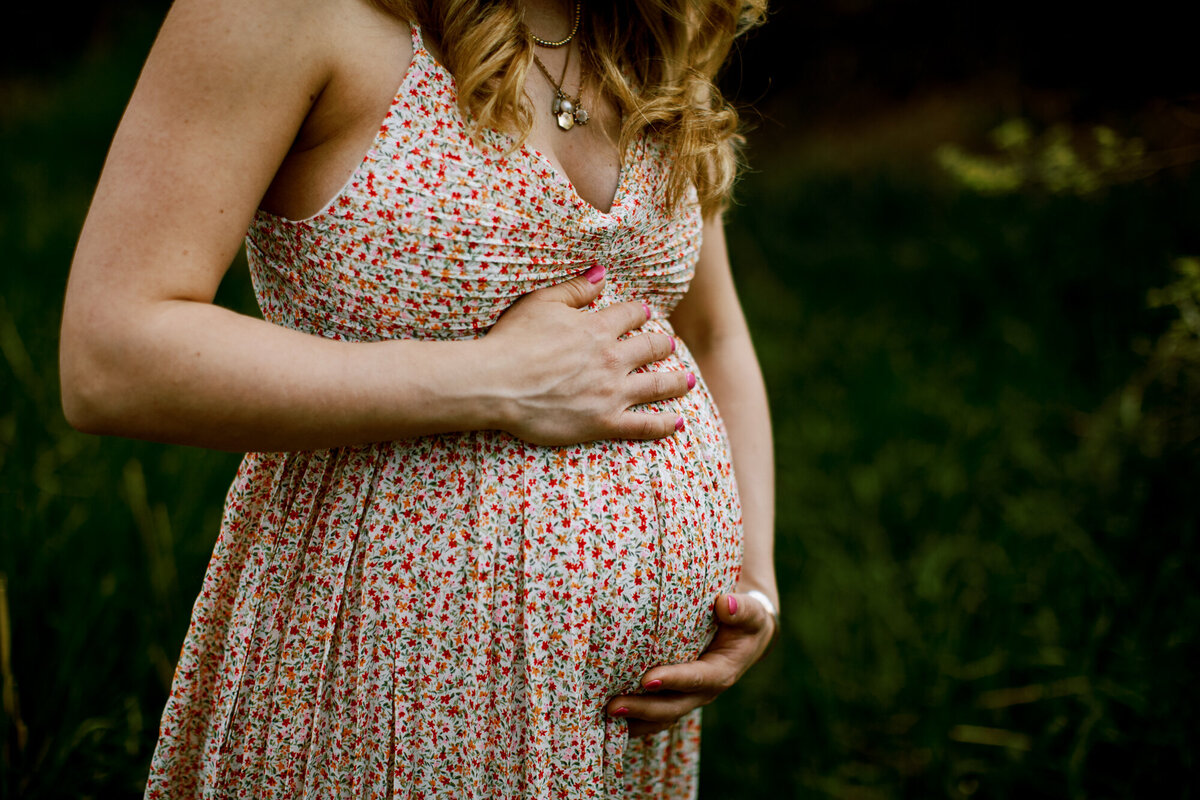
672, 344
654, 684
646, 308
620, 712
679, 423
595, 274
732, 605
691, 380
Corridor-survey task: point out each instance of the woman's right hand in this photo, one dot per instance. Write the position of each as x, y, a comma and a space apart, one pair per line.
570, 378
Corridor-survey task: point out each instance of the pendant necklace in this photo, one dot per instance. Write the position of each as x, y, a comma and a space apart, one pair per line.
567, 111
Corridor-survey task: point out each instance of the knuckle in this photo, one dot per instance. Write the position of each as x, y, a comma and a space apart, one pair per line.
613, 425
653, 351
619, 318
646, 428
610, 358
576, 292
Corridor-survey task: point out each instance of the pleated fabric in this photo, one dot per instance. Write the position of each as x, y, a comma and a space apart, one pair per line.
447, 616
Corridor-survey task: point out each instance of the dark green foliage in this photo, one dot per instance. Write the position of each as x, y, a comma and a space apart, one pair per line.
988, 512
987, 444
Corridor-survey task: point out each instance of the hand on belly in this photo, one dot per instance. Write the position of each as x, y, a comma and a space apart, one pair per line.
745, 629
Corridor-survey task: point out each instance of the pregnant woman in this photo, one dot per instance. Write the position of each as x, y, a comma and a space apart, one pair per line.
487, 541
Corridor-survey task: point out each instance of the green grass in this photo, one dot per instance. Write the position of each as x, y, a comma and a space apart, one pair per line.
987, 563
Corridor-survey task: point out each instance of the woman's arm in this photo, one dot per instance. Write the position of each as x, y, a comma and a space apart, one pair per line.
710, 320
145, 353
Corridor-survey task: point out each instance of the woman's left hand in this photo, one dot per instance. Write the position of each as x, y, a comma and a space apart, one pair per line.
745, 630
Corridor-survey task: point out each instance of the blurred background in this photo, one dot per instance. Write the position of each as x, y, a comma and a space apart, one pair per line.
968, 248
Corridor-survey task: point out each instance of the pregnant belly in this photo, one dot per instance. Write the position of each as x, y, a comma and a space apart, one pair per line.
629, 543
475, 573
601, 559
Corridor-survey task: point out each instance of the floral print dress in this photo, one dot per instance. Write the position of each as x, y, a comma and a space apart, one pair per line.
446, 616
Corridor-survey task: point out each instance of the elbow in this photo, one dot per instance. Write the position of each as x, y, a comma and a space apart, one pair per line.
83, 400
91, 397
83, 411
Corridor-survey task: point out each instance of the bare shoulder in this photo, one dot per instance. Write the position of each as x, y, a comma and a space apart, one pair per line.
220, 39
228, 90
221, 55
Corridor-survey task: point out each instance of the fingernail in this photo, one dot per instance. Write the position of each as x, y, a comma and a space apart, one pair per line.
620, 712
732, 605
679, 423
691, 380
596, 274
654, 684
672, 344
646, 308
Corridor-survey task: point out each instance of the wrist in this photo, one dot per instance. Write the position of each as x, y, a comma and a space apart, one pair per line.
491, 387
766, 601
438, 387
773, 610
767, 588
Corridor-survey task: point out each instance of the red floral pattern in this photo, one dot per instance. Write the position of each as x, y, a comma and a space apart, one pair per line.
446, 616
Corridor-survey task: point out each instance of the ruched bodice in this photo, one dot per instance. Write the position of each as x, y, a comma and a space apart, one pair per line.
446, 616
434, 235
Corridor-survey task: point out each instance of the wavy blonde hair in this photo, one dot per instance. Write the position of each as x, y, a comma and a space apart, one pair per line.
656, 59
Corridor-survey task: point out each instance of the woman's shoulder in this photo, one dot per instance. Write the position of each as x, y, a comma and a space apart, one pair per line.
329, 39
231, 90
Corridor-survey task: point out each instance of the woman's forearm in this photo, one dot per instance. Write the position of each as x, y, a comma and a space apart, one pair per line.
189, 372
731, 370
193, 373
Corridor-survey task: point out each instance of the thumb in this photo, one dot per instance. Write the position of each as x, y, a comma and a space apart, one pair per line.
742, 610
577, 292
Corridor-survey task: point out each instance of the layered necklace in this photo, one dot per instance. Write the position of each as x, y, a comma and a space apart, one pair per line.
567, 111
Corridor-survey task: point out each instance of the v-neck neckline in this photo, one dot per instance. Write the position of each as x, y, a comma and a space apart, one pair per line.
561, 177
559, 174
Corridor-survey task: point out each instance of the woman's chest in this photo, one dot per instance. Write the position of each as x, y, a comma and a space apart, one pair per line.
434, 237
440, 228
375, 53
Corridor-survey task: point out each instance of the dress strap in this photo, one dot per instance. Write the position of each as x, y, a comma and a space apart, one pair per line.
418, 42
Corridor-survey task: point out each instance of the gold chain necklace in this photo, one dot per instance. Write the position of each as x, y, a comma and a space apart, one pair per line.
567, 110
570, 36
